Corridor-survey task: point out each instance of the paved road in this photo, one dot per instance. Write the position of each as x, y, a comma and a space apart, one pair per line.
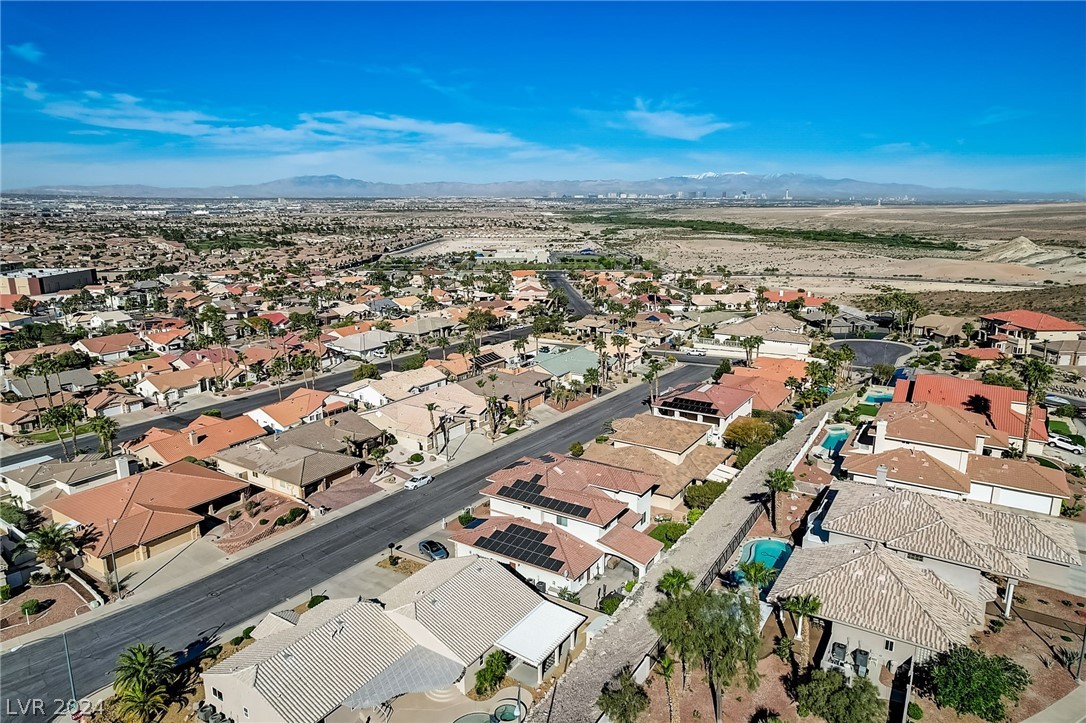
231, 596
233, 406
576, 302
870, 352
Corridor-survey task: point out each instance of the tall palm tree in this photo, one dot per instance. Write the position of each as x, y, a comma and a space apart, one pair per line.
143, 665
74, 414
600, 345
52, 544
751, 345
758, 575
394, 347
621, 341
430, 407
675, 582
56, 418
144, 704
1037, 375
779, 480
802, 607
23, 371
106, 428
665, 666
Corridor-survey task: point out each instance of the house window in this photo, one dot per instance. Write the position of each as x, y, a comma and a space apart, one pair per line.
562, 521
217, 693
913, 556
889, 645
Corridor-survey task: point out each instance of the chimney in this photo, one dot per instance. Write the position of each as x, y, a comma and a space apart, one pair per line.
126, 466
329, 422
194, 438
880, 475
880, 435
978, 448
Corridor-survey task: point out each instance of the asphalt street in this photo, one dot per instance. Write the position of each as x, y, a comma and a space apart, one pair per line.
181, 619
870, 352
233, 406
576, 302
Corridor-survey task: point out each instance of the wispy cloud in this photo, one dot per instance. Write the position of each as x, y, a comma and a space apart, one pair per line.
900, 148
673, 124
27, 51
1000, 114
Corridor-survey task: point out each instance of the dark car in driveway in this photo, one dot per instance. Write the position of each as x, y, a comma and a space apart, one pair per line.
433, 550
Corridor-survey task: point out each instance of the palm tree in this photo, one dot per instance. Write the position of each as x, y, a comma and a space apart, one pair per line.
107, 377
751, 345
22, 372
73, 414
394, 347
758, 575
441, 342
652, 376
142, 665
55, 418
277, 369
802, 607
600, 345
430, 407
621, 341
665, 666
106, 429
779, 480
52, 544
144, 704
1037, 375
675, 583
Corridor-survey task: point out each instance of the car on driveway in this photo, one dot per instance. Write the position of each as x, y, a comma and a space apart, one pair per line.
433, 550
1060, 442
419, 480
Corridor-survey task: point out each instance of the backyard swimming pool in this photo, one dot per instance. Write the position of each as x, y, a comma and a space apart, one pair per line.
835, 437
879, 396
773, 553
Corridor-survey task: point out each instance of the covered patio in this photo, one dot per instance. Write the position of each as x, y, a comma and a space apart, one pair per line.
540, 641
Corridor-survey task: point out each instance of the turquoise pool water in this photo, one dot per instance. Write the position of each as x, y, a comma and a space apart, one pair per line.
835, 438
773, 553
878, 397
474, 718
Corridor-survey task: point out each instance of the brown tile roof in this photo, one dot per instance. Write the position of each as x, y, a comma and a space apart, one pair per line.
576, 555
671, 435
724, 400
910, 466
1018, 474
112, 344
301, 403
210, 435
631, 544
776, 369
937, 425
769, 394
674, 478
146, 506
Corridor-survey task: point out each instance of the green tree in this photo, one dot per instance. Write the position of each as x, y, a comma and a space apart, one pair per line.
747, 431
750, 346
56, 418
758, 575
675, 582
365, 370
576, 449
779, 480
828, 694
52, 544
968, 363
144, 704
1037, 376
802, 607
665, 668
972, 682
489, 677
724, 367
883, 373
14, 516
623, 700
700, 496
143, 666
106, 428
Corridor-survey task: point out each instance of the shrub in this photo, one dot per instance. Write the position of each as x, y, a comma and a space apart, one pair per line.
828, 694
415, 458
5, 593
465, 518
783, 648
602, 439
263, 521
610, 604
915, 711
669, 533
996, 624
576, 449
213, 651
630, 585
491, 675
746, 454
13, 515
971, 682
234, 515
247, 633
725, 367
699, 497
212, 413
30, 607
747, 431
366, 370
295, 513
968, 364
781, 421
568, 596
415, 361
237, 641
315, 601
693, 516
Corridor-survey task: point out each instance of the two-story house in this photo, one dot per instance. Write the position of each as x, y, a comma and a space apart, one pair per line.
1020, 332
707, 403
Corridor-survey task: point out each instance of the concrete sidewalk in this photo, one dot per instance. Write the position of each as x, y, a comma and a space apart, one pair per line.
1069, 709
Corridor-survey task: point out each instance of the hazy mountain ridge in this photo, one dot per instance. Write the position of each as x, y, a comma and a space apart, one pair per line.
713, 185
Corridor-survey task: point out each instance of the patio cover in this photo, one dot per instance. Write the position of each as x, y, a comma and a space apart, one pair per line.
540, 632
420, 670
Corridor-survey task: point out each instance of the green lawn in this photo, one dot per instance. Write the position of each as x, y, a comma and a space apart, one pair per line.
51, 436
1063, 428
869, 410
1046, 463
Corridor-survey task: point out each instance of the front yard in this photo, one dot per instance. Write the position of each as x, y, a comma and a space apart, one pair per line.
56, 602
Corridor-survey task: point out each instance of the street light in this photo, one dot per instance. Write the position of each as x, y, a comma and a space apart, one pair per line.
113, 560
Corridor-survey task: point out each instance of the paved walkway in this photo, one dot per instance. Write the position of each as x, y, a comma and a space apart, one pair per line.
629, 637
1069, 709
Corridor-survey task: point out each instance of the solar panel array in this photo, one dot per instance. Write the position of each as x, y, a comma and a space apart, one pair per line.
531, 492
696, 406
522, 544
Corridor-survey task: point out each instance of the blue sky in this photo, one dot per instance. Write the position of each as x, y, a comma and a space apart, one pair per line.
175, 94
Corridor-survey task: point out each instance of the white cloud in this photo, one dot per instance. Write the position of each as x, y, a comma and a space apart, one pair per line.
672, 124
900, 148
27, 51
1000, 114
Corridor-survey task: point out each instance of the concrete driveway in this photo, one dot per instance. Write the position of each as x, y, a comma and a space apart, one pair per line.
870, 352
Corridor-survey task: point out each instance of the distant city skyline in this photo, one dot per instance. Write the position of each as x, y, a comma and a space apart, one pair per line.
976, 95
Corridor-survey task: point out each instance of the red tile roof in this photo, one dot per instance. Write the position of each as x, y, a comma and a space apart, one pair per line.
631, 544
990, 401
576, 555
1033, 320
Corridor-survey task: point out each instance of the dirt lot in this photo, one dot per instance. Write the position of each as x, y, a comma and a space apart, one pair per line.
1062, 301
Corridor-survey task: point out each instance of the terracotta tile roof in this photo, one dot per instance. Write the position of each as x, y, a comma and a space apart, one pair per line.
936, 425
910, 466
1018, 474
575, 555
210, 435
769, 394
112, 344
1033, 321
300, 404
725, 401
985, 354
147, 506
631, 544
671, 435
165, 337
990, 401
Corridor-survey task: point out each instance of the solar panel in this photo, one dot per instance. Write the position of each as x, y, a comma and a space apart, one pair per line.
689, 405
532, 493
522, 544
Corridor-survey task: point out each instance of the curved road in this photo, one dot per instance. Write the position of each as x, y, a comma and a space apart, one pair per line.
870, 352
232, 595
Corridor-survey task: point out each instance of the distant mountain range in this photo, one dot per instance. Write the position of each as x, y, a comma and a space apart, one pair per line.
801, 187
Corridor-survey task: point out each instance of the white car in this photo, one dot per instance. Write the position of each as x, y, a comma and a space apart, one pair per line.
419, 480
379, 353
1060, 442
696, 352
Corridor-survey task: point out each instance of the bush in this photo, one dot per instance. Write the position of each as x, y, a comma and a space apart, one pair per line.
782, 421
915, 711
725, 367
212, 413
213, 652
247, 633
699, 497
828, 694
565, 594
971, 682
465, 518
996, 624
602, 439
415, 458
295, 513
263, 521
415, 361
746, 454
366, 370
693, 516
968, 364
669, 533
234, 515
783, 648
315, 601
576, 449
31, 607
747, 431
13, 515
490, 676
610, 604
5, 593
630, 585
237, 641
